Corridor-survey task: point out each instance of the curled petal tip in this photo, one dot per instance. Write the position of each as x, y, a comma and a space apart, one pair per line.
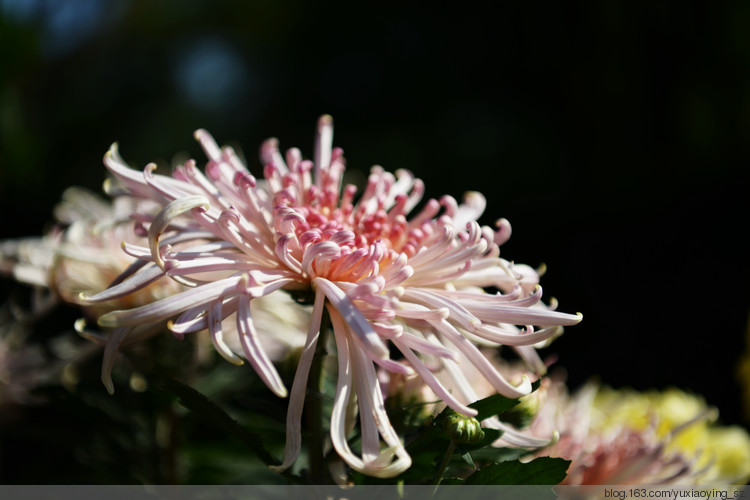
525, 385
281, 392
112, 150
541, 269
107, 381
79, 325
107, 320
555, 437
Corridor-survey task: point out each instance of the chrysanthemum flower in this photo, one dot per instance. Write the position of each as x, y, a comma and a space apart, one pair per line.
82, 253
653, 438
386, 277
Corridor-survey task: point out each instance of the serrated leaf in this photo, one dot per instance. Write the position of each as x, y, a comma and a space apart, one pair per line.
542, 470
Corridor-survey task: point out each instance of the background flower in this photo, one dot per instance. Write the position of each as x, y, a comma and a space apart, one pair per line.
650, 438
82, 252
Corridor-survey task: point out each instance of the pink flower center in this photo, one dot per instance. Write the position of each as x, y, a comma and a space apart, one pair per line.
341, 241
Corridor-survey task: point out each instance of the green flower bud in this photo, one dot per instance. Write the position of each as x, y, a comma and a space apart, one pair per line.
462, 429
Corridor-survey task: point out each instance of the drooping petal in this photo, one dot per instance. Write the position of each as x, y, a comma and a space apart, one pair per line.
110, 351
214, 321
353, 318
254, 353
299, 386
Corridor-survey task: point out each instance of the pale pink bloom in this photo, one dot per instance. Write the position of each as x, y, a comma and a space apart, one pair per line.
82, 252
384, 276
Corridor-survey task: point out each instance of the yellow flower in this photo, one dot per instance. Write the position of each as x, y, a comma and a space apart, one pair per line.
729, 447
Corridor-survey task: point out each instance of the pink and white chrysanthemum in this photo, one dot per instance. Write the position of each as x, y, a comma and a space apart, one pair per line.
385, 277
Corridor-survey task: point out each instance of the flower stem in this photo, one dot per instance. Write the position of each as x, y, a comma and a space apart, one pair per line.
444, 464
314, 408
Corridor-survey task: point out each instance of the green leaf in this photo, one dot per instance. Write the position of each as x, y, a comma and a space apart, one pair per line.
492, 405
543, 470
203, 406
429, 435
497, 403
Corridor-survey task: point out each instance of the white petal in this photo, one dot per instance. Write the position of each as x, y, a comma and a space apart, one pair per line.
164, 218
139, 280
432, 381
254, 353
166, 308
481, 363
217, 335
110, 351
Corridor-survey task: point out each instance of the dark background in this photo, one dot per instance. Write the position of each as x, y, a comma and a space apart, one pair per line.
615, 137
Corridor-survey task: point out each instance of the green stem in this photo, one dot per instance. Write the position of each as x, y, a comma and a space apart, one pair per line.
314, 408
444, 464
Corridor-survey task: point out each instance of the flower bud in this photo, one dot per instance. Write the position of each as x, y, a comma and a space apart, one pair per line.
462, 429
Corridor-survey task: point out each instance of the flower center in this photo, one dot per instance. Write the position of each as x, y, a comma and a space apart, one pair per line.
343, 243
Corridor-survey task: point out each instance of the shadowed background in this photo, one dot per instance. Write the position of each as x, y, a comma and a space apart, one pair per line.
615, 138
